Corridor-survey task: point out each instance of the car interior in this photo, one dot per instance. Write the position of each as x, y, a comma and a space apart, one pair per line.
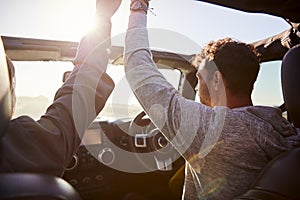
109, 143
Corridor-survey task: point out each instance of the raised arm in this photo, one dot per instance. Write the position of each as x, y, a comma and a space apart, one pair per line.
166, 107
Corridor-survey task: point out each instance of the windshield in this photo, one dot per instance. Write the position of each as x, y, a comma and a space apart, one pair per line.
122, 103
37, 83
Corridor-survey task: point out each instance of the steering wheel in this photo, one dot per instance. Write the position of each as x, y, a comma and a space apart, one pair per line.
152, 149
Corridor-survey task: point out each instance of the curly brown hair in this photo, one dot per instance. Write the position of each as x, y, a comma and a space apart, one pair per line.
237, 62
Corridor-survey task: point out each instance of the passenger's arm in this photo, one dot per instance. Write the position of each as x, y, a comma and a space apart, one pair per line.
48, 145
179, 119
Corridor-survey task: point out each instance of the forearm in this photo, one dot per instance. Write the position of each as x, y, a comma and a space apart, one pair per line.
94, 46
88, 83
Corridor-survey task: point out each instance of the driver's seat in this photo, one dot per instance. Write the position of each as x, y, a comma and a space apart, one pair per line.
280, 179
24, 185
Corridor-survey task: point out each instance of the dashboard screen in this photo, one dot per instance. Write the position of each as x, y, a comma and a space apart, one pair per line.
91, 136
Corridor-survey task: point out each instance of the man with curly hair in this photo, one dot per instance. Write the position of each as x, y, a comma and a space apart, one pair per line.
225, 140
228, 63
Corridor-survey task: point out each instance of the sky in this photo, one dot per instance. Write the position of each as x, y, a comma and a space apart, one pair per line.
196, 21
70, 19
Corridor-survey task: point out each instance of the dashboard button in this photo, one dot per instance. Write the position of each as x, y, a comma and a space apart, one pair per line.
106, 156
86, 180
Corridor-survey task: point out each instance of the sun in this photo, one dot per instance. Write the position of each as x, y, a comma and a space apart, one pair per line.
77, 16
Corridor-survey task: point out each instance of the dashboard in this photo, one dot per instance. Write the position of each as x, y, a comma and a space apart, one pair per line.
110, 164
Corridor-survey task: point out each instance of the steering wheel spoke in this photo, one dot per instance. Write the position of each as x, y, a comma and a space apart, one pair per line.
152, 149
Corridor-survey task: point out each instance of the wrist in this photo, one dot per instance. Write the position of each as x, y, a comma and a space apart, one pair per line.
139, 6
102, 18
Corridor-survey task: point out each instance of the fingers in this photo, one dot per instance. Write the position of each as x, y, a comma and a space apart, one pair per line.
107, 7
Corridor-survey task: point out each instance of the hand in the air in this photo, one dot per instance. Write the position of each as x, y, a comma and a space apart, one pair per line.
107, 8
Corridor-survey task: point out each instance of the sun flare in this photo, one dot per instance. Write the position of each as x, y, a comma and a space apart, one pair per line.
78, 16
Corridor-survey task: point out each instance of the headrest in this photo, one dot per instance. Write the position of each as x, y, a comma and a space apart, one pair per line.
5, 94
290, 79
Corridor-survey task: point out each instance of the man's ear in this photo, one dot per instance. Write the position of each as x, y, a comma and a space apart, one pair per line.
217, 80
